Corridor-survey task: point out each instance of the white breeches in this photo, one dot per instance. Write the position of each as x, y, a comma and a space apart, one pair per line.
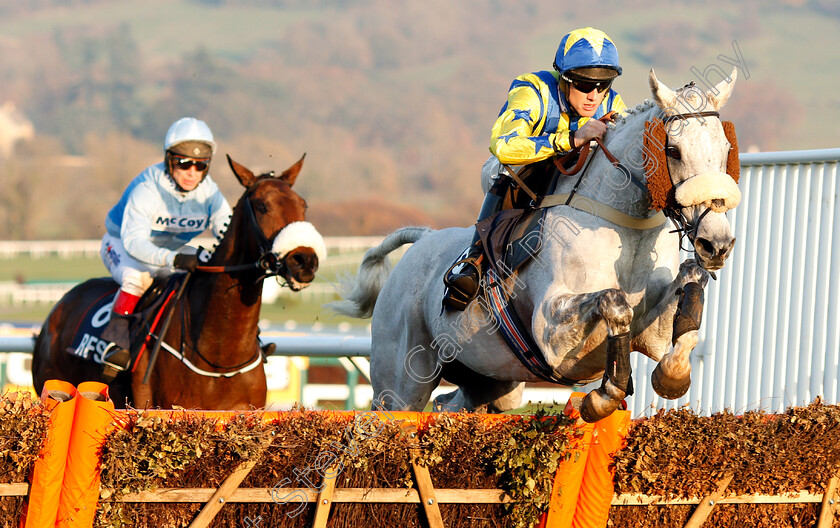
133, 276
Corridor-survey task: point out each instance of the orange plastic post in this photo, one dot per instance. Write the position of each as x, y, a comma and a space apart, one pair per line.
59, 397
567, 480
597, 488
80, 488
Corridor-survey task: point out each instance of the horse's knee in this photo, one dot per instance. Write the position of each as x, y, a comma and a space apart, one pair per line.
616, 311
691, 271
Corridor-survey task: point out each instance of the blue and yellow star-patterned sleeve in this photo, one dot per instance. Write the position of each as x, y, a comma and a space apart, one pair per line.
531, 126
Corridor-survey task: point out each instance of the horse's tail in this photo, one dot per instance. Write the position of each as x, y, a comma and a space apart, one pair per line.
360, 292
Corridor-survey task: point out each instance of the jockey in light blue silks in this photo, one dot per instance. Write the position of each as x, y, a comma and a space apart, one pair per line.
160, 212
546, 113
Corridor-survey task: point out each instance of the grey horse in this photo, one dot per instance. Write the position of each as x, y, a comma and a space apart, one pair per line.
607, 279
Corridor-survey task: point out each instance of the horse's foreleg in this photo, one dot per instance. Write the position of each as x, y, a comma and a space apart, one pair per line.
616, 384
672, 376
675, 320
575, 318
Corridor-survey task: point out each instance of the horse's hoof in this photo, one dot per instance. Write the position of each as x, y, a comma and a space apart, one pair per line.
669, 388
596, 406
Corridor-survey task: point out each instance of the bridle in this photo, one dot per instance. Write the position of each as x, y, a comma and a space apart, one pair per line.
682, 226
268, 263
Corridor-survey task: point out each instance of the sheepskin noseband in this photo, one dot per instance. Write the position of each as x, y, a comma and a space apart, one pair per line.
719, 192
299, 234
715, 190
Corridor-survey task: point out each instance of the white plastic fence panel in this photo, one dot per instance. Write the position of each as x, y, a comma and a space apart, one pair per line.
770, 336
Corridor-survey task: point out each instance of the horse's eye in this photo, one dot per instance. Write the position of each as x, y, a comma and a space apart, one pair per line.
260, 207
673, 152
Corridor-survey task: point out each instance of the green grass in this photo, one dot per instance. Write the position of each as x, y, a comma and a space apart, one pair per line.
277, 314
51, 268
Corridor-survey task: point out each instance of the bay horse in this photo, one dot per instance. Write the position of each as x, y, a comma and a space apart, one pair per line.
212, 360
607, 278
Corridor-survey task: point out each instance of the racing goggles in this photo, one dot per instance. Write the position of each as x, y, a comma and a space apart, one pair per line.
587, 86
185, 163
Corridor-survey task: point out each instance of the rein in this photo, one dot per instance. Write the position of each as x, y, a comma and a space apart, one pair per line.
268, 261
589, 205
682, 226
583, 154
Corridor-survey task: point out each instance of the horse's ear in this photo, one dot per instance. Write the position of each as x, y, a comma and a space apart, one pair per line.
243, 174
664, 96
722, 91
290, 175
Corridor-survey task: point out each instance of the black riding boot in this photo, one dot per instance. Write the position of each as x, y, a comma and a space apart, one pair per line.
464, 276
116, 357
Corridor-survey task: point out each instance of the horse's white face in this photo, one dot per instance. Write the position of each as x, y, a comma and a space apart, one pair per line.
697, 151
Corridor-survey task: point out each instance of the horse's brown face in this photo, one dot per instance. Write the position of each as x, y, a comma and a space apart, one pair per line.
289, 245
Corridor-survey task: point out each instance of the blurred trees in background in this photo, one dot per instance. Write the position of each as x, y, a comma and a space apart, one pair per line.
392, 102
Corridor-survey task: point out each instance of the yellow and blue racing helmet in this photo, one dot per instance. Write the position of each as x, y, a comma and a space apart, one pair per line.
587, 54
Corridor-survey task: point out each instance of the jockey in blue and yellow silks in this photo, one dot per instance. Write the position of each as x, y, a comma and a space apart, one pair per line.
546, 113
536, 122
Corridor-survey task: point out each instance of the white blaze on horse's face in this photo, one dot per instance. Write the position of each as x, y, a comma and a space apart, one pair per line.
698, 173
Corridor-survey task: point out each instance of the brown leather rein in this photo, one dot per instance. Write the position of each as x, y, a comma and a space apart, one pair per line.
582, 154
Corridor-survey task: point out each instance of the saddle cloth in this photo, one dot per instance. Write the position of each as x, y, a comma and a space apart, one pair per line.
86, 342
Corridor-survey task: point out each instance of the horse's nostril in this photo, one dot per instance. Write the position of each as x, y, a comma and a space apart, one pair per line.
704, 247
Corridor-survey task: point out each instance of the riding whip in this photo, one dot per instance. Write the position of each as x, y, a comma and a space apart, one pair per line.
164, 328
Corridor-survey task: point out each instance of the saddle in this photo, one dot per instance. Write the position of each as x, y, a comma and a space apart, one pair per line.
513, 236
86, 342
510, 239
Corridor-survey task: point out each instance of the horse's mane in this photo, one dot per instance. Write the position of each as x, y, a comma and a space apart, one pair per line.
653, 139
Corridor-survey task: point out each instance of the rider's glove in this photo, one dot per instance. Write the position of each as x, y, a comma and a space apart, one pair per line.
185, 262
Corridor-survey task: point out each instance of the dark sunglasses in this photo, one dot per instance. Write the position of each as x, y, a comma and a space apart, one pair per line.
588, 86
186, 163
